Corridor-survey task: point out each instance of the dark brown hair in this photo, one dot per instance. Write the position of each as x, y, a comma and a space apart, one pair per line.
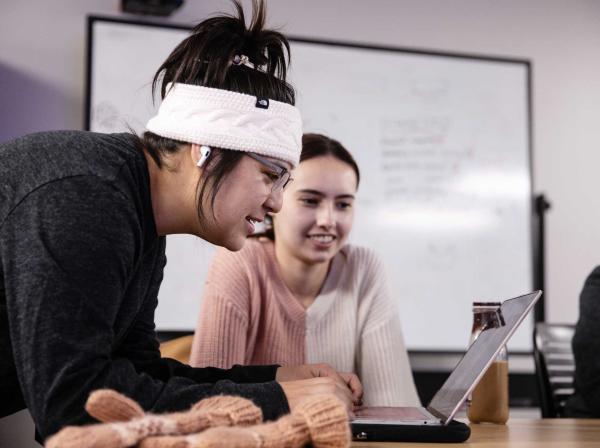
317, 145
204, 58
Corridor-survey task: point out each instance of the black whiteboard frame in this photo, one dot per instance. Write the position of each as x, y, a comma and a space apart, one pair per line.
536, 216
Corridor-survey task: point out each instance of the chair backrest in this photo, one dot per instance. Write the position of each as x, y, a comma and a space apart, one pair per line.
179, 348
554, 366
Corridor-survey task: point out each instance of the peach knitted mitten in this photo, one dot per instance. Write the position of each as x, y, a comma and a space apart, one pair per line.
127, 423
321, 420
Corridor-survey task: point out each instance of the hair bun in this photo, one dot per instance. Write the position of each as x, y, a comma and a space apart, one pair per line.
205, 57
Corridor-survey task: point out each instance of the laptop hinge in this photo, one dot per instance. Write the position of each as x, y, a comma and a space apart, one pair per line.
437, 414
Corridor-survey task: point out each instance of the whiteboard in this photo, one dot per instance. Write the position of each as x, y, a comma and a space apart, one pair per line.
443, 145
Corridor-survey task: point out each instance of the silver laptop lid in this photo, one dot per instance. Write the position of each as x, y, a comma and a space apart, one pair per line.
478, 358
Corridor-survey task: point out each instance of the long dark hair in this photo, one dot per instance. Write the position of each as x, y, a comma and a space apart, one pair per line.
204, 58
317, 145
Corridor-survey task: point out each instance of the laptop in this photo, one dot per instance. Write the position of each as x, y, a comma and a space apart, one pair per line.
386, 423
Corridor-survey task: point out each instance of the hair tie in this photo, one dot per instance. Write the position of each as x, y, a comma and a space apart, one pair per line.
242, 59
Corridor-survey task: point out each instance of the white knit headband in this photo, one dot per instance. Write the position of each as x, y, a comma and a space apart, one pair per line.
229, 120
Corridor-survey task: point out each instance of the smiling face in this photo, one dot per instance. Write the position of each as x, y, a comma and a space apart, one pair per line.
318, 210
244, 198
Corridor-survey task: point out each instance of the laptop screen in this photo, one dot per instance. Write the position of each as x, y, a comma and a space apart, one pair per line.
480, 354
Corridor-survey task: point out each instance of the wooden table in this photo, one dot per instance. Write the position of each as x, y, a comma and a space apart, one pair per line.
521, 433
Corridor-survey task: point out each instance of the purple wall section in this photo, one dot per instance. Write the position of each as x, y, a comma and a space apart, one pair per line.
28, 104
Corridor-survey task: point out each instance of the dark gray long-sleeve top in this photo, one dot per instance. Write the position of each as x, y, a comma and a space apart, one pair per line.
80, 268
586, 349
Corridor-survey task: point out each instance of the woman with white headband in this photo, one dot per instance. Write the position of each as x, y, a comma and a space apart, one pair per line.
302, 285
83, 219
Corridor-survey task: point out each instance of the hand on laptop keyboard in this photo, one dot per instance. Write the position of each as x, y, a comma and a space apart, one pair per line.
310, 379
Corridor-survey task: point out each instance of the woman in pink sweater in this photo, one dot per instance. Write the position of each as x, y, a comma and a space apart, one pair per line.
306, 296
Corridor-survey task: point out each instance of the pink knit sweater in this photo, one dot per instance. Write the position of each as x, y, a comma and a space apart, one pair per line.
249, 316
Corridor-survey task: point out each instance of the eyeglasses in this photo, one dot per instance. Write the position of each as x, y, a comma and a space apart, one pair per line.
283, 176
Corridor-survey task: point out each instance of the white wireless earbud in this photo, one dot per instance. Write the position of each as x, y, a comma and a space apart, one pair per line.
204, 154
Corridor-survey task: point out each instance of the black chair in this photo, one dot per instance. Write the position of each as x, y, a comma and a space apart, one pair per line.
554, 366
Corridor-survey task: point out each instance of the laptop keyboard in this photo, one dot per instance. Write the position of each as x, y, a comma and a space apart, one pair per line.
392, 413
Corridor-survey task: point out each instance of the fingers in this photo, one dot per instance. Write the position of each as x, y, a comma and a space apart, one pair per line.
338, 388
349, 380
297, 391
327, 370
354, 384
346, 386
344, 394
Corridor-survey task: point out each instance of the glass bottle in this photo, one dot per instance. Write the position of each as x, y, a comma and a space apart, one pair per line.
489, 400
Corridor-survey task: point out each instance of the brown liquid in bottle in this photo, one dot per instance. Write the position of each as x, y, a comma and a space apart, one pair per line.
489, 402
